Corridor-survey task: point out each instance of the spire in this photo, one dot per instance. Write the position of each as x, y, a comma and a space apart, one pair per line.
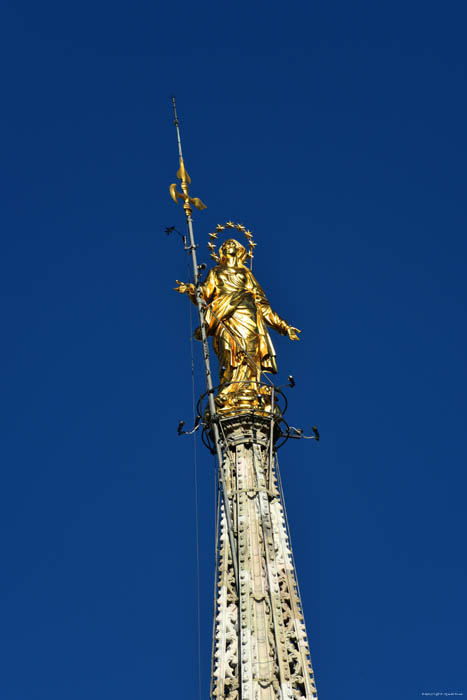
260, 646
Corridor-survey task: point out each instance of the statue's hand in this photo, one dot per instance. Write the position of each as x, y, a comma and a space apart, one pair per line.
292, 333
185, 288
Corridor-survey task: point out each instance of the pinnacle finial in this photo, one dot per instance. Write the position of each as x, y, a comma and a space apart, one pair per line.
182, 175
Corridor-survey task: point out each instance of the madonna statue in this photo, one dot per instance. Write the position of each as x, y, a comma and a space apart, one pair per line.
236, 315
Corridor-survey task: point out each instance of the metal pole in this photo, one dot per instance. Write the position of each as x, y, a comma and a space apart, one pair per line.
271, 438
207, 367
211, 403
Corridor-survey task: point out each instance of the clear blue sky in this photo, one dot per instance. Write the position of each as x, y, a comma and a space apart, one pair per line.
334, 130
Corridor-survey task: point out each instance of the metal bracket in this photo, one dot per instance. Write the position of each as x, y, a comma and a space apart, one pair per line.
297, 433
290, 383
197, 424
172, 229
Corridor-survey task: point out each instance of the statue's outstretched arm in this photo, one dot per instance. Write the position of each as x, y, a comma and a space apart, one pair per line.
272, 319
207, 289
189, 289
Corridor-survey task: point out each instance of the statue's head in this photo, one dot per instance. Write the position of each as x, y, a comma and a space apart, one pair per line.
232, 248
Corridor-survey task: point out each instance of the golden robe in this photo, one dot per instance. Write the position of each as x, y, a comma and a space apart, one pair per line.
236, 315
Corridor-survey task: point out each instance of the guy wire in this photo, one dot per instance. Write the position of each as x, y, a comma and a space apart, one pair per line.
195, 462
284, 509
217, 501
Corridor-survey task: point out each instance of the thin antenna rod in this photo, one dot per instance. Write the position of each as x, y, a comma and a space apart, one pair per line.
187, 201
176, 122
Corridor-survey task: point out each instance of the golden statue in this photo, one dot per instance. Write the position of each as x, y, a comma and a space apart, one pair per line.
236, 313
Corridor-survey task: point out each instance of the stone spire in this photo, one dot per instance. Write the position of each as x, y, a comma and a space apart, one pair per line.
260, 646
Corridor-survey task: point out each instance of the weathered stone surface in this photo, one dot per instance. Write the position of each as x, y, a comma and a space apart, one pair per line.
260, 649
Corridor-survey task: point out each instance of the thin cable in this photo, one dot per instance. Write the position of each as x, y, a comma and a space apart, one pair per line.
294, 578
195, 462
287, 527
217, 533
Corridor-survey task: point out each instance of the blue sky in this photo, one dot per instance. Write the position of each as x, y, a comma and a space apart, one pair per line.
336, 132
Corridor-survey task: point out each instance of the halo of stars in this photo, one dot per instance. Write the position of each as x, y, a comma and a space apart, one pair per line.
230, 225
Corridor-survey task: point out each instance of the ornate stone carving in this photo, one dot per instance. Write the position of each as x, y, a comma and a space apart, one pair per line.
261, 649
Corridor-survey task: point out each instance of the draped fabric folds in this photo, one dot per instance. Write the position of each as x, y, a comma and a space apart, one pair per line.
237, 314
